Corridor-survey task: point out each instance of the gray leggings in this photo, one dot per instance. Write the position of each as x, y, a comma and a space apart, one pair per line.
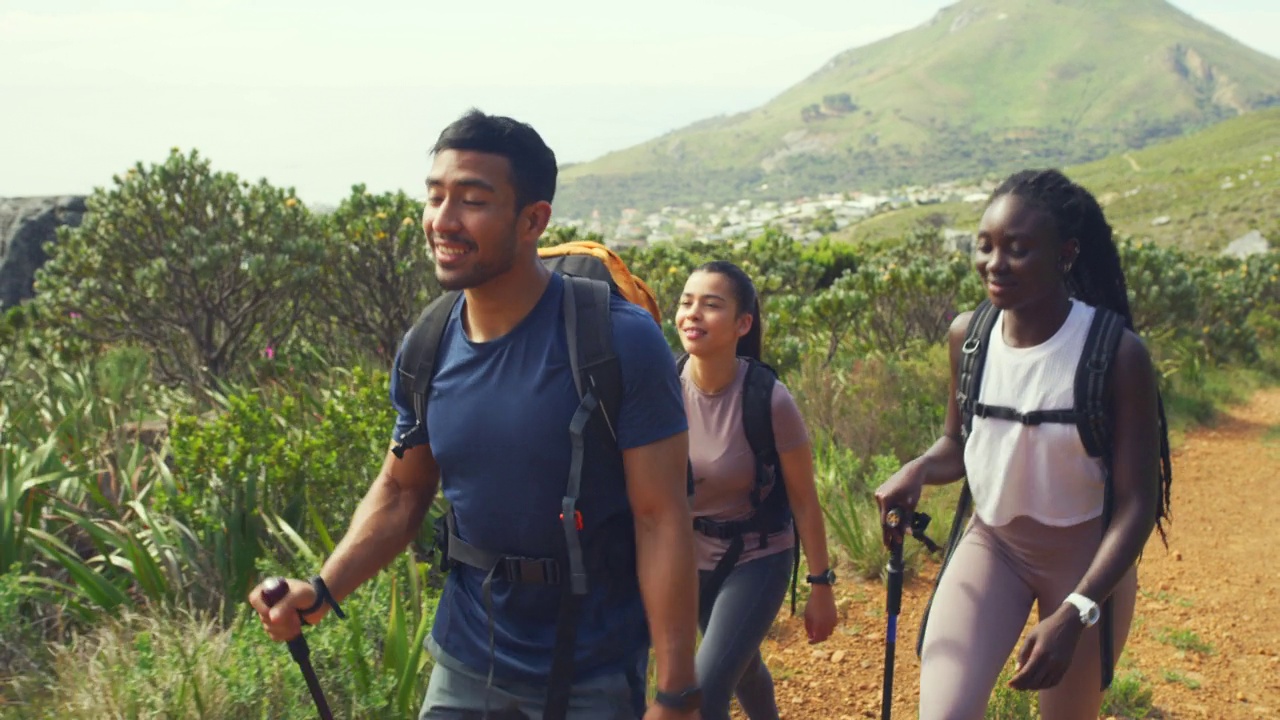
982, 605
734, 622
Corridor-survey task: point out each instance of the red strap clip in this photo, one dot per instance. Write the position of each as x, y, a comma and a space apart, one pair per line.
577, 516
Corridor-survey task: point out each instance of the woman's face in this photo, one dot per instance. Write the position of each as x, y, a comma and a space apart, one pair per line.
1019, 256
708, 318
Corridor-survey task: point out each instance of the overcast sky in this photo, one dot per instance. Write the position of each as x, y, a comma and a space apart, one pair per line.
320, 95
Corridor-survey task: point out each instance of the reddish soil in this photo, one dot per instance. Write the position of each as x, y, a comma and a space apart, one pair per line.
1217, 579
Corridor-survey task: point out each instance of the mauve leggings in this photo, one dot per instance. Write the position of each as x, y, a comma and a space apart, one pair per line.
981, 608
734, 622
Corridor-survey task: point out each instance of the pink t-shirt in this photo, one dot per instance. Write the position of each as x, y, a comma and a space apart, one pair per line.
723, 465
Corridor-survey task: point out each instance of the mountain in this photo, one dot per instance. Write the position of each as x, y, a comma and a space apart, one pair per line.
984, 87
1200, 191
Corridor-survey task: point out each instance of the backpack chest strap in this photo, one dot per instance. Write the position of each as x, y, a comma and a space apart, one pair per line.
1035, 417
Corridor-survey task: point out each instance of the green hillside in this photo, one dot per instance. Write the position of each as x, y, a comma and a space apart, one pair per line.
1212, 186
983, 87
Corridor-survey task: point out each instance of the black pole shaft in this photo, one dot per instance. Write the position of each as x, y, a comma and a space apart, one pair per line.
302, 655
893, 606
273, 591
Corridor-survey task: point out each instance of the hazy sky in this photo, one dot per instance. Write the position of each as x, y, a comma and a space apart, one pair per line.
320, 95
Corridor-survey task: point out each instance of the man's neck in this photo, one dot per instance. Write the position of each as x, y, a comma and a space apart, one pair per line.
497, 307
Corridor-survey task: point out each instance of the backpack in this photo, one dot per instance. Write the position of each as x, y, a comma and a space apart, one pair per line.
1088, 414
773, 512
592, 274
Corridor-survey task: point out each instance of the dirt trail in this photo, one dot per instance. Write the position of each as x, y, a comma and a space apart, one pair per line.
1217, 583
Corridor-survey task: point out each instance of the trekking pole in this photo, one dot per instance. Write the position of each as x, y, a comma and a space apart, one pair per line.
893, 605
273, 591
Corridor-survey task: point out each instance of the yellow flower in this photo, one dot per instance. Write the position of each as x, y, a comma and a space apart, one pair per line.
291, 202
673, 270
381, 236
381, 216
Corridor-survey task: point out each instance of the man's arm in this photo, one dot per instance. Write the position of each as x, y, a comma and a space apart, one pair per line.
385, 522
665, 555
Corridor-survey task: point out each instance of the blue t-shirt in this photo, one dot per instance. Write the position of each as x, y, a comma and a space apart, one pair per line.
498, 424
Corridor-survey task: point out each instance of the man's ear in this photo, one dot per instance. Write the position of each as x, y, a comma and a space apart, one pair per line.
532, 221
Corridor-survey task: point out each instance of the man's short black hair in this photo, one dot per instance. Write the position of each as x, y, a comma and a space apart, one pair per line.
533, 164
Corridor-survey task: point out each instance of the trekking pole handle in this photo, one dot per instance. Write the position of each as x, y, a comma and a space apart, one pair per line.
273, 591
893, 518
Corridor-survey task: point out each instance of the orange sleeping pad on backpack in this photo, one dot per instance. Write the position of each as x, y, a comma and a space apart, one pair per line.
629, 286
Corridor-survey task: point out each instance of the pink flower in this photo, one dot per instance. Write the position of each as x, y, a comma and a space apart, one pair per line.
73, 315
270, 352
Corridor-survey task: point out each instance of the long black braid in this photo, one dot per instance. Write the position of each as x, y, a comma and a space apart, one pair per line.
1095, 276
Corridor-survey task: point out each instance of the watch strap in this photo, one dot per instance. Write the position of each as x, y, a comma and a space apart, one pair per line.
323, 597
686, 700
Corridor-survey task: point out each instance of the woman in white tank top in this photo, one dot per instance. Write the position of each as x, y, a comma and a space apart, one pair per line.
1047, 258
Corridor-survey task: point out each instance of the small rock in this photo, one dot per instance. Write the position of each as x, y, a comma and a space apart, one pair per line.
1162, 220
1177, 555
820, 654
837, 656
1240, 696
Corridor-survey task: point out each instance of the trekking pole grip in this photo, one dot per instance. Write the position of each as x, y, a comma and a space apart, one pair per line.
273, 591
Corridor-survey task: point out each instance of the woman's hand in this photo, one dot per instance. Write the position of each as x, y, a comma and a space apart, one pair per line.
902, 491
1046, 654
820, 613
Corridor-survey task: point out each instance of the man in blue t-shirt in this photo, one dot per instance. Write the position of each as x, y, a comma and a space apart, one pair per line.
496, 435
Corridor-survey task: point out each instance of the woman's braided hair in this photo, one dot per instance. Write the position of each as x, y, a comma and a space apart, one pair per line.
1095, 276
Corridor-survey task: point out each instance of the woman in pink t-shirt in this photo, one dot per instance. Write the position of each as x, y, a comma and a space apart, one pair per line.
744, 517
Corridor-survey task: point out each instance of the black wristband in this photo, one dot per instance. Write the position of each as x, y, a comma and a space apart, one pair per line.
687, 700
323, 597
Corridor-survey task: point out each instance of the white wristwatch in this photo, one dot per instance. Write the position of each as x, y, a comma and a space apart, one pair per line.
1089, 610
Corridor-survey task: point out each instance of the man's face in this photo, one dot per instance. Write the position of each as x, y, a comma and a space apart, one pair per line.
470, 218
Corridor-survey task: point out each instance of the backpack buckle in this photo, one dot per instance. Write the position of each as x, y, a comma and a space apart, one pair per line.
531, 571
970, 346
577, 518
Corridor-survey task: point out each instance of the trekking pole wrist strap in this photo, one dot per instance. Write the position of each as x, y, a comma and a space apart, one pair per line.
323, 597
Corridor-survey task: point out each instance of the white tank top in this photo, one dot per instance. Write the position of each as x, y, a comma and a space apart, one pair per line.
1038, 471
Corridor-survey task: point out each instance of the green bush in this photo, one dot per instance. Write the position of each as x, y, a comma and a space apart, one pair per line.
200, 268
294, 453
184, 665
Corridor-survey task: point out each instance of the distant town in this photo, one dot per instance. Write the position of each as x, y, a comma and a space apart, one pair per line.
805, 218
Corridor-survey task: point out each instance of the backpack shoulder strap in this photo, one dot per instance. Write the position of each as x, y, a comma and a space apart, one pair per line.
589, 332
598, 378
973, 357
418, 360
1093, 374
757, 413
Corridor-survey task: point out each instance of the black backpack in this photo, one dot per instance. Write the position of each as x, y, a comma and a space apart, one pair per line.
773, 512
1088, 414
588, 287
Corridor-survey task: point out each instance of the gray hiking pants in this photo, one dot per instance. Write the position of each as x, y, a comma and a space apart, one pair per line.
734, 622
982, 605
456, 692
